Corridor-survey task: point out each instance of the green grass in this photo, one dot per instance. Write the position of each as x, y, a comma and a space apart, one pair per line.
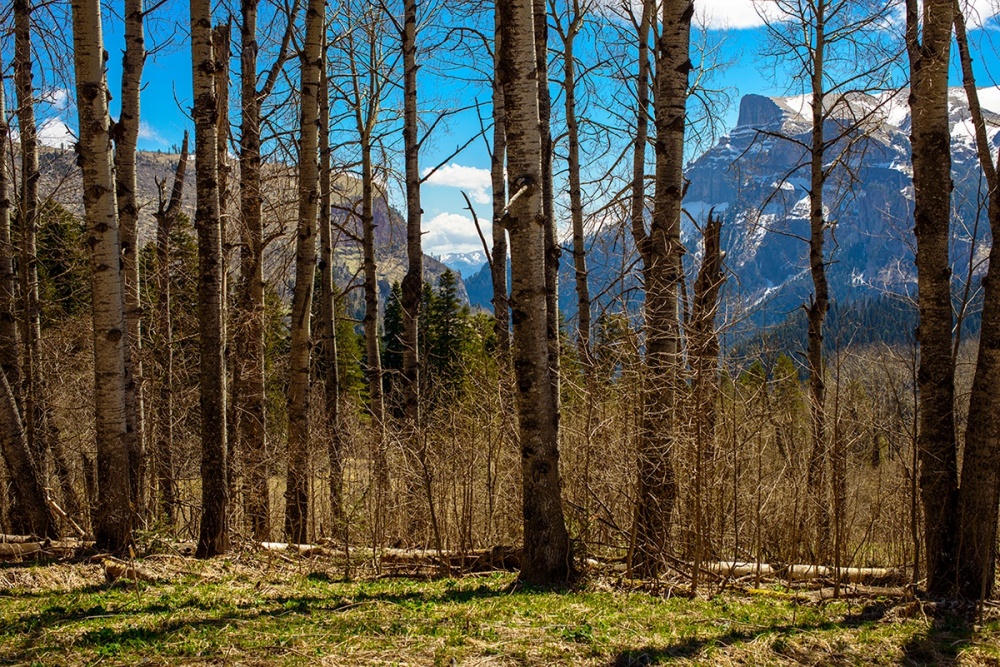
249, 612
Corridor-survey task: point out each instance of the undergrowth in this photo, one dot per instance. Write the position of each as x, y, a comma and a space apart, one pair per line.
253, 611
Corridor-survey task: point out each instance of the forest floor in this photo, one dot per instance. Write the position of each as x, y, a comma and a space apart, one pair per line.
264, 609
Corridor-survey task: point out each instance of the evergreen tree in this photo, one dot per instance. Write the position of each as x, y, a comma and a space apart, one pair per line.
392, 350
449, 336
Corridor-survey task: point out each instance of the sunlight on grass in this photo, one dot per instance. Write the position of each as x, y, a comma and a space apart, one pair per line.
274, 613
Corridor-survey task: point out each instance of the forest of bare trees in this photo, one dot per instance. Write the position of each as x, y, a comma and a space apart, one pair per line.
249, 345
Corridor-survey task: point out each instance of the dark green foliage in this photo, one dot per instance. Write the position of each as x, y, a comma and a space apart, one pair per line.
392, 351
448, 338
63, 265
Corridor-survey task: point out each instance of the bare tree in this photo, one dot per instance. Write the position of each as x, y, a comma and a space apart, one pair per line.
10, 363
928, 43
546, 542
703, 351
498, 266
126, 135
214, 537
327, 329
114, 516
248, 374
163, 458
979, 493
657, 491
413, 281
835, 49
27, 218
577, 13
297, 488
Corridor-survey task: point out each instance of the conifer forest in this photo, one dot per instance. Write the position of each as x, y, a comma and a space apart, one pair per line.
526, 332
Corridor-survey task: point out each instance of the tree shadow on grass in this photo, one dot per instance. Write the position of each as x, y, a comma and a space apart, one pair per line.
693, 646
940, 644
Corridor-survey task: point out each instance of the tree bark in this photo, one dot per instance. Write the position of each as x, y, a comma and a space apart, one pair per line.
114, 516
248, 376
126, 136
28, 490
28, 230
498, 270
704, 354
657, 491
638, 201
546, 542
328, 316
930, 138
213, 538
10, 363
818, 306
553, 251
576, 189
297, 488
413, 281
979, 496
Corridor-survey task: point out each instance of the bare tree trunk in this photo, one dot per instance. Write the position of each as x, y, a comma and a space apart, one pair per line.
818, 306
28, 230
657, 490
297, 488
328, 317
930, 139
126, 135
575, 188
114, 515
638, 203
979, 500
10, 363
552, 248
248, 377
28, 490
413, 281
546, 542
221, 42
498, 269
163, 460
214, 538
704, 354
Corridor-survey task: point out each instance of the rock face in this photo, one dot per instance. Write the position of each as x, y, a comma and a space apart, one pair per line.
758, 183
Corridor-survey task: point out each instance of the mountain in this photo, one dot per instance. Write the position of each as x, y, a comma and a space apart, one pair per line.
464, 263
61, 180
758, 184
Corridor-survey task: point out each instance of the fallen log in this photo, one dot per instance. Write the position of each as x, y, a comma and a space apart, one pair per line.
738, 569
18, 550
11, 539
115, 570
305, 550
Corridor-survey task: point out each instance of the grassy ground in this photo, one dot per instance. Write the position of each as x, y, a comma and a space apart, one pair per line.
248, 611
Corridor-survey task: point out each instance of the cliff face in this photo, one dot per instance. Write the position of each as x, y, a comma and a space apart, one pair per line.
756, 178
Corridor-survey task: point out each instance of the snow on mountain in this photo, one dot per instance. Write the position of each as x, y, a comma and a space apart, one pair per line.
465, 263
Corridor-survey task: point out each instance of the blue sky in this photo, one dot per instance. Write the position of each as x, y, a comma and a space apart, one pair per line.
732, 24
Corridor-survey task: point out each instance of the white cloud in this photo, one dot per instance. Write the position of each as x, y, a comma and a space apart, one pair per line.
148, 133
978, 12
451, 232
740, 14
58, 98
731, 14
473, 180
55, 133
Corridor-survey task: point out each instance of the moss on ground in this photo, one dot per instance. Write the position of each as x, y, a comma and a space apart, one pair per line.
248, 611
